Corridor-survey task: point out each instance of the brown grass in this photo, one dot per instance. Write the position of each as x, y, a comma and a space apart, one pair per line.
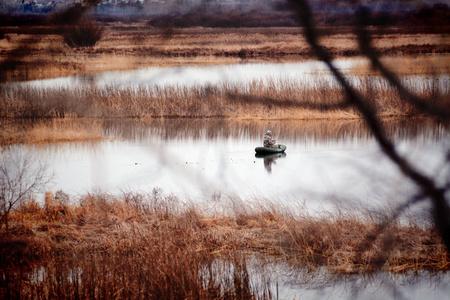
16, 131
137, 45
158, 247
409, 65
257, 100
49, 131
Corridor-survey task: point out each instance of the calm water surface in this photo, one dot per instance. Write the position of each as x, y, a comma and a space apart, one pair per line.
326, 163
308, 73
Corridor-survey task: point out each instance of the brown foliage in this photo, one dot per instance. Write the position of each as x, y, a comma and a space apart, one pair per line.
266, 100
85, 33
156, 247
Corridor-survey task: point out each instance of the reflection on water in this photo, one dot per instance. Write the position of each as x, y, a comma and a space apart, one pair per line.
270, 159
197, 75
308, 73
423, 285
326, 162
310, 131
303, 285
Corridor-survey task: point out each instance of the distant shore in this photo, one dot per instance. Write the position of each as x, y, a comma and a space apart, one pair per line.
29, 53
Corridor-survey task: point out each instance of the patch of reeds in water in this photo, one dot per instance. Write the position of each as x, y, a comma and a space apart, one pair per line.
276, 99
158, 247
49, 131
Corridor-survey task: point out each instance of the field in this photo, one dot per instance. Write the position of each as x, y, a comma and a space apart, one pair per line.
277, 99
26, 55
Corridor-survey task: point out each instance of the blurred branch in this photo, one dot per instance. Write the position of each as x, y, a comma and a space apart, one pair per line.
371, 237
69, 16
365, 45
441, 211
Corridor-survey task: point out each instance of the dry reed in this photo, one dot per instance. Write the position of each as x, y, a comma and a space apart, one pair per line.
49, 131
157, 247
283, 99
136, 45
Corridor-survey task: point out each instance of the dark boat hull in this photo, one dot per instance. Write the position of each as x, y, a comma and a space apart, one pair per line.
280, 149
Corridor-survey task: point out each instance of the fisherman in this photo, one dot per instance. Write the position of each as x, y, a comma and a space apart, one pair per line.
268, 141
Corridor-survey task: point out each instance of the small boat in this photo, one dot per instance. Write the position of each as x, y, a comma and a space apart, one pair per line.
269, 155
281, 148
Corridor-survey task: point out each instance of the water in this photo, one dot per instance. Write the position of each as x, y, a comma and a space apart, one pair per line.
309, 73
196, 75
424, 285
326, 163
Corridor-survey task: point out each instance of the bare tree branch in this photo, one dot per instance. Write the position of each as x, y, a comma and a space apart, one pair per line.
365, 44
441, 211
20, 176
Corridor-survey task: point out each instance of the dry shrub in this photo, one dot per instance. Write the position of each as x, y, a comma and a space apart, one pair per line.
350, 245
85, 33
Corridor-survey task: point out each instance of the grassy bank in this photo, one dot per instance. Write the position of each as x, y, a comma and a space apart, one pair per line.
54, 130
281, 99
40, 52
158, 247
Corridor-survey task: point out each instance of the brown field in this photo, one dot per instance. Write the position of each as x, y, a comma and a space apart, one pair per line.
27, 55
153, 246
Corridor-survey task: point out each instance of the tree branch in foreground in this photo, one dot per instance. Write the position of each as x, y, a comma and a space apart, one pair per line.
441, 211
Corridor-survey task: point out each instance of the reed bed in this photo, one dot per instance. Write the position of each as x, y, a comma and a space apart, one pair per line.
49, 131
19, 131
137, 45
269, 99
152, 246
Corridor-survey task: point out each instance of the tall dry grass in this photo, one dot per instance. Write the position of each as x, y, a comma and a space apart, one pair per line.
281, 99
49, 131
158, 247
136, 45
17, 131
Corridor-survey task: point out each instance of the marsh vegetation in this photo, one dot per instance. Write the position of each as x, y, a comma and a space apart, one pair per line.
261, 99
158, 247
161, 246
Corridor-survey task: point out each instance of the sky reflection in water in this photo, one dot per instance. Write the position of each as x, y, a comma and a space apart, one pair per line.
326, 163
308, 73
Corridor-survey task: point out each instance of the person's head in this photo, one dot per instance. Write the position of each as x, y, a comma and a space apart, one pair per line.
269, 132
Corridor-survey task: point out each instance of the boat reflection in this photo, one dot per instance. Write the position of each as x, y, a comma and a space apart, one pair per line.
269, 159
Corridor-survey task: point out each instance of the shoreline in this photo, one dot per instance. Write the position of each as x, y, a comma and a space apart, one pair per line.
259, 227
30, 56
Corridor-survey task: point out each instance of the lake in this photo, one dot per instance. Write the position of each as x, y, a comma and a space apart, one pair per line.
307, 73
327, 163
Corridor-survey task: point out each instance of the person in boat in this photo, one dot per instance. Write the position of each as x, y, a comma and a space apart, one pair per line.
269, 141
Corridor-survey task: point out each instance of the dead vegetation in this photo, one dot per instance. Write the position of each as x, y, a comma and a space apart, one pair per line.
30, 53
282, 99
86, 33
49, 131
158, 247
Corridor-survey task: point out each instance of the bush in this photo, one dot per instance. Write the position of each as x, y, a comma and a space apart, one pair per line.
86, 33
